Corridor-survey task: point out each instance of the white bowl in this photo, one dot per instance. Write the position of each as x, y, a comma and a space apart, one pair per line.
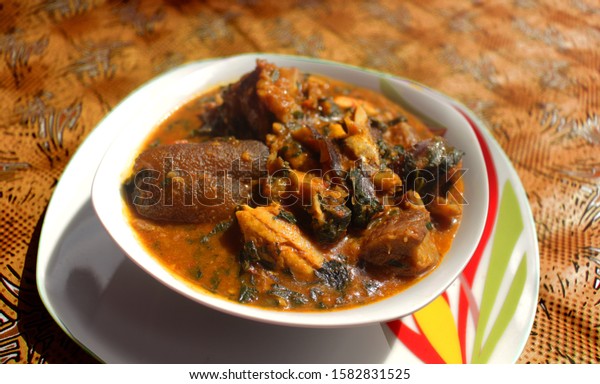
117, 163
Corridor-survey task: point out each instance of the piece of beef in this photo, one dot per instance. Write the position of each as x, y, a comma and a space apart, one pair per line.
196, 183
260, 98
400, 239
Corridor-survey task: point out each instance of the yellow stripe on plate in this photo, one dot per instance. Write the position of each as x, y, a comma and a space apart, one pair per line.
438, 325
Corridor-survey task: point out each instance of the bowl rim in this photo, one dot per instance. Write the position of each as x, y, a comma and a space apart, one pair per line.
335, 318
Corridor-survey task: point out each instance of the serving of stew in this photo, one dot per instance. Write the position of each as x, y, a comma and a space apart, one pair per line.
293, 191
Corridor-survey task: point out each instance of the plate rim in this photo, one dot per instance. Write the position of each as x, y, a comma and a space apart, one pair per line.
42, 262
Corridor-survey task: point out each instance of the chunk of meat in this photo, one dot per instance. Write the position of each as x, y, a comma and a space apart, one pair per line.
360, 142
278, 89
402, 134
400, 239
445, 211
279, 241
262, 97
196, 183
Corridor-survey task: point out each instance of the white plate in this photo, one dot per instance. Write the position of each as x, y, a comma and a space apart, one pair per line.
120, 314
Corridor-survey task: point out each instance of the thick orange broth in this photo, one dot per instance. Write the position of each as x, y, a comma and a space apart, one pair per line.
206, 256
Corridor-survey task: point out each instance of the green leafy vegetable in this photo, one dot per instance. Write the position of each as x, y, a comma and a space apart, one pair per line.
372, 286
196, 273
364, 202
247, 294
248, 255
215, 281
335, 274
291, 297
220, 227
333, 219
315, 293
286, 216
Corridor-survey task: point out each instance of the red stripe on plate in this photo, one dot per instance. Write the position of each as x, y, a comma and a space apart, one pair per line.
469, 272
416, 342
490, 221
462, 322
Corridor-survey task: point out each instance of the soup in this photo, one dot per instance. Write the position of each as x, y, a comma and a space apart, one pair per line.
296, 192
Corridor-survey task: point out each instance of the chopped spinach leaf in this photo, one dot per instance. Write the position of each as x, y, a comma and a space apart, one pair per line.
156, 245
372, 286
247, 294
364, 202
334, 219
315, 293
248, 254
220, 227
286, 216
334, 274
196, 273
293, 298
215, 281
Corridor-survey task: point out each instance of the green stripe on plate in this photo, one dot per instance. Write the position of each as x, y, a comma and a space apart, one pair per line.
508, 229
508, 310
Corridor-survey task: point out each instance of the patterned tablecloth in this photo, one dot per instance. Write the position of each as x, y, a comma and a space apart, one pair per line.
529, 69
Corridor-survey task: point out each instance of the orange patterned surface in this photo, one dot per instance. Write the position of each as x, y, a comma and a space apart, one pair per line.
529, 69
